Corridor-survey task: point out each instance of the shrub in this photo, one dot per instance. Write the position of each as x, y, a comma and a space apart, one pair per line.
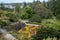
51, 23
12, 17
44, 33
36, 19
28, 13
4, 22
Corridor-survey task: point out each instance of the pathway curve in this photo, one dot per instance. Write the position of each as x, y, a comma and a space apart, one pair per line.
7, 35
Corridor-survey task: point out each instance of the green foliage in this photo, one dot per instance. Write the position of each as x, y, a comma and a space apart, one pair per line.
54, 6
58, 35
25, 16
41, 11
44, 3
2, 6
12, 17
25, 4
28, 13
51, 32
51, 23
7, 17
17, 8
36, 18
4, 22
44, 33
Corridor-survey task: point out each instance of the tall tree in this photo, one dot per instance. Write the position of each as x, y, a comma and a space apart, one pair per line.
44, 3
24, 5
2, 6
57, 12
40, 10
17, 8
54, 6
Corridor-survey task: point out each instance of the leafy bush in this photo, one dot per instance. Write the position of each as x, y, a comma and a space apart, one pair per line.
35, 19
28, 13
25, 16
4, 22
7, 17
51, 23
12, 17
44, 33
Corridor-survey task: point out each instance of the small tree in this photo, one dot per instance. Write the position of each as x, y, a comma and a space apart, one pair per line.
28, 13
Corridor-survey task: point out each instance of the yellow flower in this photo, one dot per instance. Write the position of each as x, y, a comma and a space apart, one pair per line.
25, 30
34, 29
28, 34
27, 27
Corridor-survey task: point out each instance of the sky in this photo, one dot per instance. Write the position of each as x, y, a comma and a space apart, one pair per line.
17, 1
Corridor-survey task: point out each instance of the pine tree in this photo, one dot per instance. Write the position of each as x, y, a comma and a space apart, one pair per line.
24, 5
54, 6
40, 10
17, 8
2, 6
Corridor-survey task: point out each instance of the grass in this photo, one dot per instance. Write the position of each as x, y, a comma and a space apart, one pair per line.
51, 23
